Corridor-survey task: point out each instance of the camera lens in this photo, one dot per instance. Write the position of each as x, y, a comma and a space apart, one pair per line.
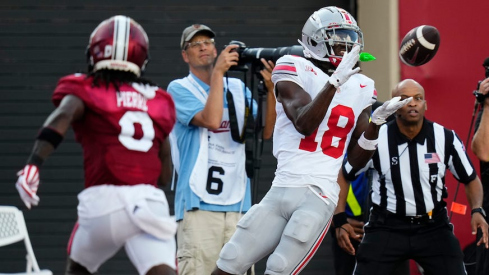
253, 55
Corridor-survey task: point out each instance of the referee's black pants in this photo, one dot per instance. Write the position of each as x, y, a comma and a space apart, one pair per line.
390, 239
344, 263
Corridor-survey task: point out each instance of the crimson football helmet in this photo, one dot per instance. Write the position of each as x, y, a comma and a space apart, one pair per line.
118, 43
327, 27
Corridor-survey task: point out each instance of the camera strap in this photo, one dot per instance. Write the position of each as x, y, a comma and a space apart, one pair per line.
248, 131
233, 120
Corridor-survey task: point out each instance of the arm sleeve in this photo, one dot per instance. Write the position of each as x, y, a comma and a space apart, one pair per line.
70, 85
186, 104
286, 70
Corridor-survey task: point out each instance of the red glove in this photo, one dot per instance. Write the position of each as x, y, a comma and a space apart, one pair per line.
27, 185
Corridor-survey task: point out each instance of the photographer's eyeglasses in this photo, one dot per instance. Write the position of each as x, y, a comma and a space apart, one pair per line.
198, 44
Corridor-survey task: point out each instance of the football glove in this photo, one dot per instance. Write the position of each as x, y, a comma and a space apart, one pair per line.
27, 185
388, 108
344, 70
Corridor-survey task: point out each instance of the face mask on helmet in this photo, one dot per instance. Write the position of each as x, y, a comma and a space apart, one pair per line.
118, 43
329, 31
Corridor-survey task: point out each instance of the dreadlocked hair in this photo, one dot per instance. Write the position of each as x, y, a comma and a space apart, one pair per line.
116, 78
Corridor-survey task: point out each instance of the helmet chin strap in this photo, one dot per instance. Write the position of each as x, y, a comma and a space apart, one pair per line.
335, 61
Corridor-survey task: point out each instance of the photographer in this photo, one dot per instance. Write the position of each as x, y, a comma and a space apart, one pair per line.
213, 189
480, 143
480, 146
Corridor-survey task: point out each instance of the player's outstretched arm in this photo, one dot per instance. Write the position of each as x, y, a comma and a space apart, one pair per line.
360, 150
305, 113
364, 137
50, 136
70, 109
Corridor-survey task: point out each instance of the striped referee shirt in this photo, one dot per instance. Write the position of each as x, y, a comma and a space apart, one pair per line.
409, 175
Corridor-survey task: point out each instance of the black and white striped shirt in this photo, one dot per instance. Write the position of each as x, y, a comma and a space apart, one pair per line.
409, 175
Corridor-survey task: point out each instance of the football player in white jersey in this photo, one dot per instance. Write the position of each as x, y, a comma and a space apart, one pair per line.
323, 110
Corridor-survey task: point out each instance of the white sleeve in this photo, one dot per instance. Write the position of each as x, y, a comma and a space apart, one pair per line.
286, 70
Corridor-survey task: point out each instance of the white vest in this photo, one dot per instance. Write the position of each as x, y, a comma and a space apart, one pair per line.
219, 174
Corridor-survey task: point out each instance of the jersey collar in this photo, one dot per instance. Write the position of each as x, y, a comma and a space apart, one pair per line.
419, 138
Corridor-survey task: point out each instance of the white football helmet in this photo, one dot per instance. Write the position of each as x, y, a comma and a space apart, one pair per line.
327, 27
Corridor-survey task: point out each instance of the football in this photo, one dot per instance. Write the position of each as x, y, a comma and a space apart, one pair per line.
419, 45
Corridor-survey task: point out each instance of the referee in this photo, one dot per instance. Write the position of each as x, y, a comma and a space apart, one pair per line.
409, 219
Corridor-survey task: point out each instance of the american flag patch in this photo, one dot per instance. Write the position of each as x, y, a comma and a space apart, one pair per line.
431, 158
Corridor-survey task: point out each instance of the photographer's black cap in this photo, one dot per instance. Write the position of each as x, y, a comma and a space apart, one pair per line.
191, 31
486, 62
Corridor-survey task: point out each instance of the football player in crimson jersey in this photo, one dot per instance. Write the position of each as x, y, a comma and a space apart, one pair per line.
122, 122
323, 110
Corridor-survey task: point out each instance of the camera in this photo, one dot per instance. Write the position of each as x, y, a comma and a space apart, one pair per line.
253, 55
479, 96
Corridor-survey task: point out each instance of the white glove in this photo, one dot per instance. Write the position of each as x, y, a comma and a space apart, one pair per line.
27, 185
388, 108
344, 70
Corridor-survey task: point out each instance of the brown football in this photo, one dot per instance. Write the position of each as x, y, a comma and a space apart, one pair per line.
419, 45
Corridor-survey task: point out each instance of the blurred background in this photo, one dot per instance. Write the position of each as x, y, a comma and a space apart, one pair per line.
41, 41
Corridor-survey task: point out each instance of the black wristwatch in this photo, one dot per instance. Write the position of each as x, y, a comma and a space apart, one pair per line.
478, 210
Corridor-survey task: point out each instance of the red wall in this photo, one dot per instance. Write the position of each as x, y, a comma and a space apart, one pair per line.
451, 76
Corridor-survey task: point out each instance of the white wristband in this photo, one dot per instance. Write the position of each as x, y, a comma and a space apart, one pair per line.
367, 144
